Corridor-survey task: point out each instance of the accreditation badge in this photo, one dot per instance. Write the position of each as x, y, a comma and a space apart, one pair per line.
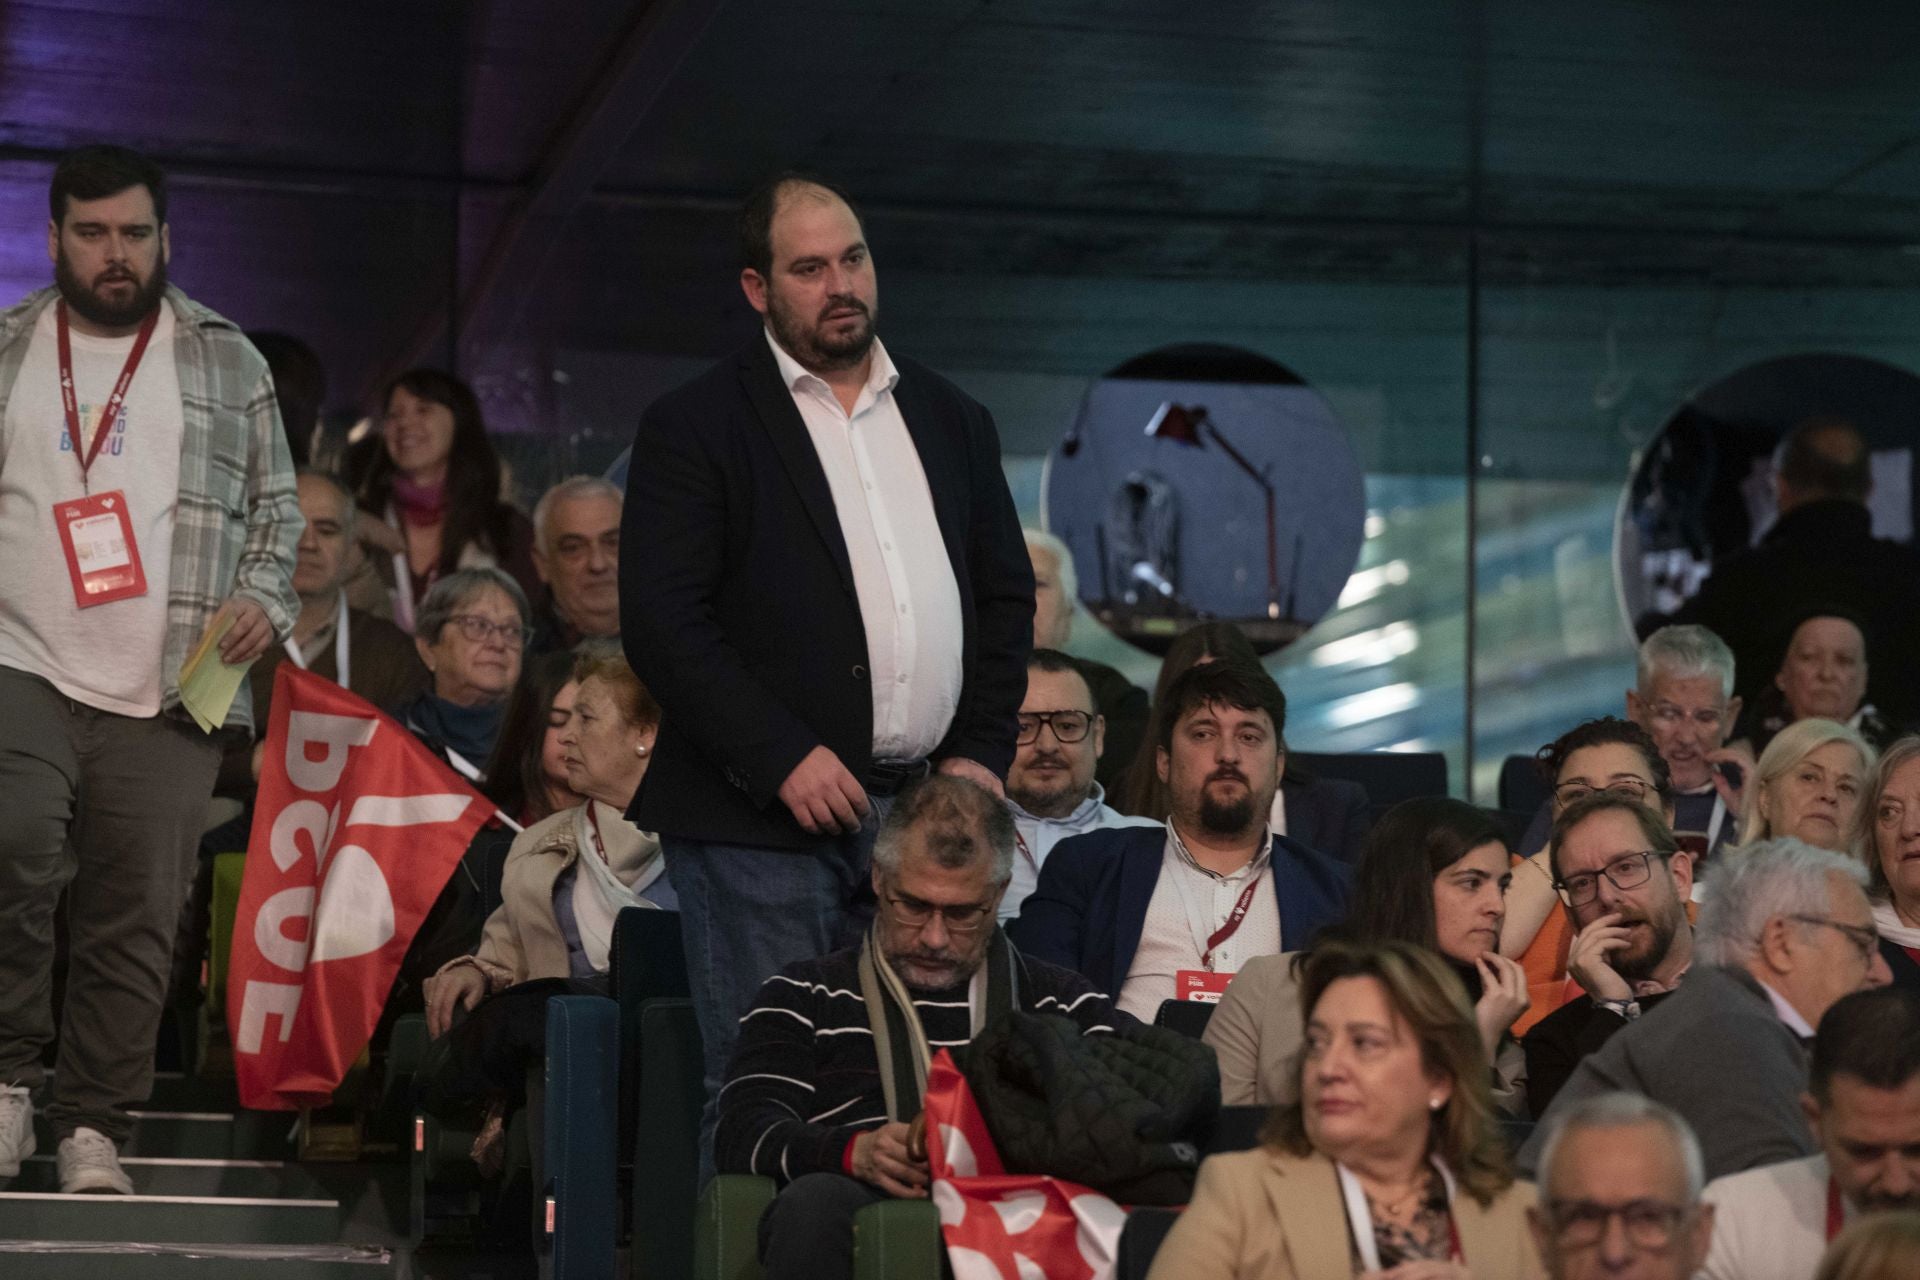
1200, 985
102, 556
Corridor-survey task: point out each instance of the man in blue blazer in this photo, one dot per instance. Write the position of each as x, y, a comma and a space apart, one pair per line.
1154, 914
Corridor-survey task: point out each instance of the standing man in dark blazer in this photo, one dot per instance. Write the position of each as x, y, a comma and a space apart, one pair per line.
824, 584
1150, 914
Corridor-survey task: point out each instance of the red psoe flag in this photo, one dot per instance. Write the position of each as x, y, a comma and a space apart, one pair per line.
1008, 1226
356, 829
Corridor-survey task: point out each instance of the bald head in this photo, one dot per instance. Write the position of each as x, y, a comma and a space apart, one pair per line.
768, 200
1823, 458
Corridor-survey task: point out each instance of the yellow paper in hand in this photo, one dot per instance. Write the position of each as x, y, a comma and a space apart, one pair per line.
208, 684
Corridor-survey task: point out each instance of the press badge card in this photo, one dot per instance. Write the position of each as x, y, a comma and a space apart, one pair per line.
1200, 985
102, 556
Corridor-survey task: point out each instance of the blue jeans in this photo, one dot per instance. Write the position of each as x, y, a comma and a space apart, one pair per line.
747, 912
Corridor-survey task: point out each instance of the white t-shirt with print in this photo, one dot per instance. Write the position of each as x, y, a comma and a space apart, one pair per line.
107, 656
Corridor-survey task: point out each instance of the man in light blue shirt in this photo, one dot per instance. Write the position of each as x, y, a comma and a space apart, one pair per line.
1051, 788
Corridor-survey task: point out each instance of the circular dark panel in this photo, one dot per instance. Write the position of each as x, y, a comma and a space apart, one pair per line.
1703, 488
1206, 482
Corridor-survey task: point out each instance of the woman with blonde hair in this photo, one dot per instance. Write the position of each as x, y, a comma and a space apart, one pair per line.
1886, 836
1808, 785
1881, 1246
1390, 1156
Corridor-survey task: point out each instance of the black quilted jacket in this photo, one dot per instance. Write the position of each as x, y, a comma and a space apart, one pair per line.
1125, 1113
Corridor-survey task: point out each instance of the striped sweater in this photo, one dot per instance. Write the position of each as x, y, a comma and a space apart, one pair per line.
805, 1077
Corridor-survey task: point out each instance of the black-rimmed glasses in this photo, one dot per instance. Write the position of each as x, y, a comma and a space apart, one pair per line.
1581, 1224
1628, 871
477, 629
1632, 788
1067, 726
915, 914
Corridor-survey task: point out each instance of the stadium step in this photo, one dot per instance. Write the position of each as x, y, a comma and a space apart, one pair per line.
202, 1135
191, 1176
174, 1219
217, 1196
129, 1260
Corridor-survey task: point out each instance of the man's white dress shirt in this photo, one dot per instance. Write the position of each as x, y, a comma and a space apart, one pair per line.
909, 599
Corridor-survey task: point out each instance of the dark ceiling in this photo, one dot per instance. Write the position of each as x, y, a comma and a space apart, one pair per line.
1044, 182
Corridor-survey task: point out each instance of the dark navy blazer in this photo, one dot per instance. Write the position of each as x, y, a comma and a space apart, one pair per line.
1091, 904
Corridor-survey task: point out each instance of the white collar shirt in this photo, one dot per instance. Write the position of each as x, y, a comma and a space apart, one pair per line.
902, 576
1788, 1014
1189, 904
1034, 839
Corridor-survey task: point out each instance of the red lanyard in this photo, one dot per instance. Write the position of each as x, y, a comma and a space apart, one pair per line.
1232, 926
1020, 843
70, 401
1456, 1253
1836, 1216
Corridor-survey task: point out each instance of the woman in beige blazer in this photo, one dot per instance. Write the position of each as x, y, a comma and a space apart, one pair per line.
1390, 1163
568, 876
566, 880
1433, 872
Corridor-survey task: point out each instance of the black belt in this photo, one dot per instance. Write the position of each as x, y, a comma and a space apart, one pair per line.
886, 777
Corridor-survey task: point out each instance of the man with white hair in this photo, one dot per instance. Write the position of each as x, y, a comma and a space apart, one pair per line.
1785, 932
576, 552
1863, 1102
1683, 698
1122, 704
1620, 1182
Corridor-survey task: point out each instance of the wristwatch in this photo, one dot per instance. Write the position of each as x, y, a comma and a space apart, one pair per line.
1625, 1010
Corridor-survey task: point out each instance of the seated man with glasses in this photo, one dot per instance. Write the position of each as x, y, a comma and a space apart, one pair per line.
1051, 787
1607, 754
1152, 915
1626, 883
1864, 1103
1785, 931
1620, 1182
831, 1061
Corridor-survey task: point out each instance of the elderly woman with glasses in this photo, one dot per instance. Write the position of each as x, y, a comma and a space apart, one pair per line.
1607, 754
1390, 1162
471, 632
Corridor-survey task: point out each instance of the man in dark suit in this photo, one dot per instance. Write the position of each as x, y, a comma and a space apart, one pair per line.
1149, 915
824, 585
1784, 932
1820, 555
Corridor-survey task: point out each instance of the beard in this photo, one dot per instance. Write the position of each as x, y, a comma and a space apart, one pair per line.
95, 309
1872, 1202
1638, 965
1043, 800
939, 969
809, 345
1226, 817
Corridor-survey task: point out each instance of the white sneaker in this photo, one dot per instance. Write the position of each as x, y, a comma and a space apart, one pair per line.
16, 1129
89, 1162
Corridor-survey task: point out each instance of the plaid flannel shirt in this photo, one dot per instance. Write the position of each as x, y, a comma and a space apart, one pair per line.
238, 516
